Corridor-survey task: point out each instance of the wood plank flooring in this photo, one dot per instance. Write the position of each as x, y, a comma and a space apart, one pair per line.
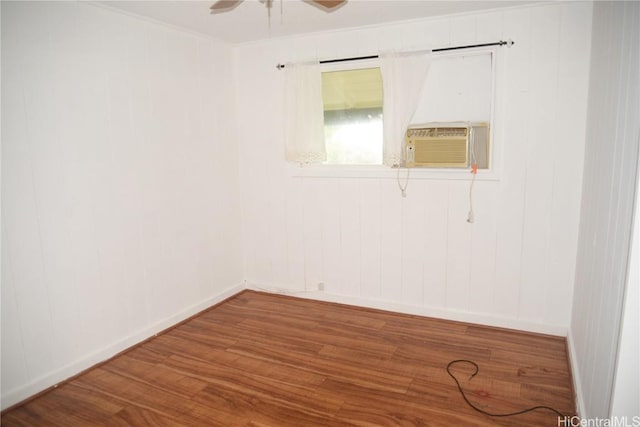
268, 360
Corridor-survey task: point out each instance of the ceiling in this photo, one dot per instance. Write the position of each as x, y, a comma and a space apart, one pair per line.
249, 21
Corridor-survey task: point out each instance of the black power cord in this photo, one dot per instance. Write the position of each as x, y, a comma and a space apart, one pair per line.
464, 396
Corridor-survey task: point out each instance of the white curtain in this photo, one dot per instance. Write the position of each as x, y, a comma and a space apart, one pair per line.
403, 77
304, 115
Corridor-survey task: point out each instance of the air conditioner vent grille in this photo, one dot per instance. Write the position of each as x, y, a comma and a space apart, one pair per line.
438, 132
441, 152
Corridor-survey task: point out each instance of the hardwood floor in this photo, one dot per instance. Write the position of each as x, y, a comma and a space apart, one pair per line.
269, 360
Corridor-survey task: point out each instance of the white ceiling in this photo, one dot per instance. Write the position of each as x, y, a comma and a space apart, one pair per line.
249, 21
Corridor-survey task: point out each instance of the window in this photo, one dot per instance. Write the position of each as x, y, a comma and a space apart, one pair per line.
352, 101
459, 87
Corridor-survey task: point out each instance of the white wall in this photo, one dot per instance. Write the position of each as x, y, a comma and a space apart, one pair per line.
514, 267
610, 174
120, 213
626, 389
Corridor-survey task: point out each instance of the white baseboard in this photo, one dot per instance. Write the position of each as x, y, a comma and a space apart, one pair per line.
11, 397
457, 315
575, 375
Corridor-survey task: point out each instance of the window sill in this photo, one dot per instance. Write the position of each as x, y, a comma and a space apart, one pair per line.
385, 172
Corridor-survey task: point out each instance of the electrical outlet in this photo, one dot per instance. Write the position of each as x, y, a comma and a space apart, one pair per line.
321, 286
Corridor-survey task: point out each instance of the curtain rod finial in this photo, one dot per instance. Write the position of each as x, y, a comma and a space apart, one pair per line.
280, 66
509, 42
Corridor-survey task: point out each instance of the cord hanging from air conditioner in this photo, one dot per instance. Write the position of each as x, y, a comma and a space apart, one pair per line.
403, 188
474, 171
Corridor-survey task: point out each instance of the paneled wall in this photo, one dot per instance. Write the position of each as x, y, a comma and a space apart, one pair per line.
120, 213
354, 232
610, 176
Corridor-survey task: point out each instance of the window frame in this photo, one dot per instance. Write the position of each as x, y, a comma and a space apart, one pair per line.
386, 172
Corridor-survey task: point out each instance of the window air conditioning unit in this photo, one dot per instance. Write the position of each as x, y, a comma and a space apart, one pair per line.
447, 145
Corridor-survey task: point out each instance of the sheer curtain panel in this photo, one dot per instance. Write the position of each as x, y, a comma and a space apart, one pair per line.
304, 115
403, 77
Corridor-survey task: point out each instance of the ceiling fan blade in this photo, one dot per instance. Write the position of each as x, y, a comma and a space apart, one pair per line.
329, 4
224, 5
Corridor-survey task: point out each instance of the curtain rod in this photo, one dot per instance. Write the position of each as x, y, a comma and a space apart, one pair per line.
508, 43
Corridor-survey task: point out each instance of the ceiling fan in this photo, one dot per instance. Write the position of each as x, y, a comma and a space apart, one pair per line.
226, 5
